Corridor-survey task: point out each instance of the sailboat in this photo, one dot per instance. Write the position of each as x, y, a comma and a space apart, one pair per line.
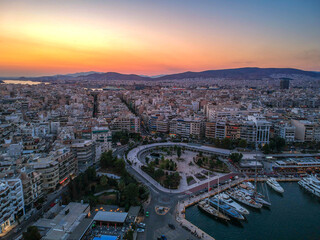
255, 195
210, 210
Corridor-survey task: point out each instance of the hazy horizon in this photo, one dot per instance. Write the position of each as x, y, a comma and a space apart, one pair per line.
152, 38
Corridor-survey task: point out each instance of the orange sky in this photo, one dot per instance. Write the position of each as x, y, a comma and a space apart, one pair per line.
55, 37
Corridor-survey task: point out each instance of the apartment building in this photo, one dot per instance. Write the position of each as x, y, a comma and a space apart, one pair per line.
287, 132
103, 136
129, 123
56, 169
84, 150
262, 129
210, 130
49, 170
306, 131
233, 130
12, 202
32, 186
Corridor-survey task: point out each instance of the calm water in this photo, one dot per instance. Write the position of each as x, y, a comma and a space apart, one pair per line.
293, 216
22, 82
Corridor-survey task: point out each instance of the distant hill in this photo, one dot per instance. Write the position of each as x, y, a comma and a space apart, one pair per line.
91, 76
240, 73
235, 74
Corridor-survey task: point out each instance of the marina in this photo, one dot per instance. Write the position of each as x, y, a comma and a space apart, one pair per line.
293, 215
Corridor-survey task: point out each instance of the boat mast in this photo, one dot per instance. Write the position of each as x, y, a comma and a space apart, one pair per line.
218, 193
255, 170
208, 188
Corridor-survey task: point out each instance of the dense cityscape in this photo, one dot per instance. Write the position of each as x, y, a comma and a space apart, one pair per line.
159, 120
63, 144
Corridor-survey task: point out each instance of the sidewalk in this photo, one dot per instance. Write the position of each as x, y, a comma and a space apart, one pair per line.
136, 165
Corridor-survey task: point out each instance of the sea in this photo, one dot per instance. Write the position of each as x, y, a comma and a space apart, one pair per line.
293, 215
23, 82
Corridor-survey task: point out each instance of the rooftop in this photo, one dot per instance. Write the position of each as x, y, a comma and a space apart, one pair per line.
116, 217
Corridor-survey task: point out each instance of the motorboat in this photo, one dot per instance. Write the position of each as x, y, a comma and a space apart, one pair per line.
272, 182
233, 204
311, 184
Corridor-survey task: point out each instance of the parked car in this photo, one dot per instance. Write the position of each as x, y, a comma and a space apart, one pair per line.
171, 226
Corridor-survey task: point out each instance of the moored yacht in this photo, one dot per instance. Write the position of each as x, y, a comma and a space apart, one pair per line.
233, 204
244, 198
272, 182
258, 197
210, 210
225, 208
311, 184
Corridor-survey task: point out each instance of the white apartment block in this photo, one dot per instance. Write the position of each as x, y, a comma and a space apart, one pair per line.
262, 129
287, 132
103, 136
12, 202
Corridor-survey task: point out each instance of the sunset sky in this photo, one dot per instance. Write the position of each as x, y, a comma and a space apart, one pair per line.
47, 37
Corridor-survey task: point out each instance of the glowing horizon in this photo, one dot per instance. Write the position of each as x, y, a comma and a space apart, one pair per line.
140, 37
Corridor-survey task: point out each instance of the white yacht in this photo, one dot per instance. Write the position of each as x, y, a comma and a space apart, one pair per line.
272, 182
243, 197
311, 184
232, 203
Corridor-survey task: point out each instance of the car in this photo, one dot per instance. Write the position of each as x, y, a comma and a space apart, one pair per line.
171, 226
140, 230
142, 225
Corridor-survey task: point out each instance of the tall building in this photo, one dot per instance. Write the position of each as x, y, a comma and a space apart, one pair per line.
84, 151
12, 202
103, 136
32, 186
284, 83
306, 131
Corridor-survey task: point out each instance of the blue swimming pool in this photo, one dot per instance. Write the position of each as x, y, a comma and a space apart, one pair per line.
105, 237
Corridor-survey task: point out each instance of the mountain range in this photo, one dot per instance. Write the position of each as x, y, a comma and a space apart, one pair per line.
249, 73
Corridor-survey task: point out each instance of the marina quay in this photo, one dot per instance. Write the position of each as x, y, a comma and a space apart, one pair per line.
298, 165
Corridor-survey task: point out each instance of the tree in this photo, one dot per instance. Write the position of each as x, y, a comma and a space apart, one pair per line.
242, 143
91, 172
106, 159
120, 165
104, 181
179, 152
211, 164
266, 148
226, 143
131, 193
236, 157
129, 235
32, 233
158, 173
